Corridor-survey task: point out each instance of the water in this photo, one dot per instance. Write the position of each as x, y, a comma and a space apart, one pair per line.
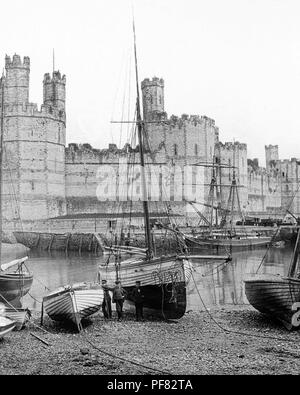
219, 284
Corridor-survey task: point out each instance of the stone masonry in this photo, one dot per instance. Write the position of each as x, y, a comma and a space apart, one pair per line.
44, 179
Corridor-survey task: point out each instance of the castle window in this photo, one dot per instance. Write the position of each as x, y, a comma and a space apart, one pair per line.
160, 99
175, 150
32, 185
196, 149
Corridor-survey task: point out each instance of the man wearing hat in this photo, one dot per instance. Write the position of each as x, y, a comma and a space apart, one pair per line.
119, 295
138, 298
106, 304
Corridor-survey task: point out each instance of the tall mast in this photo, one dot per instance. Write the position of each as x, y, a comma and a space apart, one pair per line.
1, 157
141, 150
295, 257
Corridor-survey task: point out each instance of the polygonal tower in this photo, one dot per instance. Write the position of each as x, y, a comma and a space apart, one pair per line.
16, 86
34, 146
54, 90
272, 155
153, 97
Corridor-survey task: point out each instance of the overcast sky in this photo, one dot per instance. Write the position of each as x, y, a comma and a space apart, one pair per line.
236, 61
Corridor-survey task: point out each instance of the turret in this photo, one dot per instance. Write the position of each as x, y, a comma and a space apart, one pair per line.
272, 155
16, 80
54, 90
153, 97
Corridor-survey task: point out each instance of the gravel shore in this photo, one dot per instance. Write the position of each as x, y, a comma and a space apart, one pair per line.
194, 344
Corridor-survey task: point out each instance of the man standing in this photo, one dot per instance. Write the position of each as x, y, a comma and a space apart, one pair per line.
106, 304
119, 295
138, 298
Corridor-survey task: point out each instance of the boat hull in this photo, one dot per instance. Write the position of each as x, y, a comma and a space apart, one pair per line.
276, 296
6, 326
169, 303
163, 282
14, 285
18, 315
229, 243
73, 303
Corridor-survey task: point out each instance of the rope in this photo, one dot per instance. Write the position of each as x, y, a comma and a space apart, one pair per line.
127, 360
226, 330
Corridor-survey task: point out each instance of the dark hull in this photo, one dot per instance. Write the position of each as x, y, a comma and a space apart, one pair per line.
14, 285
167, 303
275, 296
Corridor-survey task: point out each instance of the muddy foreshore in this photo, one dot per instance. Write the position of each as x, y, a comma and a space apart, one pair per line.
194, 344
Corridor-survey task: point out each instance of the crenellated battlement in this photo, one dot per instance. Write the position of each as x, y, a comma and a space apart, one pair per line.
155, 81
16, 62
32, 110
232, 146
77, 153
56, 77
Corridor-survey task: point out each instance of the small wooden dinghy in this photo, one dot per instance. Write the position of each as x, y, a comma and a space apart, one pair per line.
18, 315
72, 303
276, 295
6, 326
14, 284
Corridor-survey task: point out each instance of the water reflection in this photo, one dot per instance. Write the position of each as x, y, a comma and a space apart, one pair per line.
218, 284
221, 285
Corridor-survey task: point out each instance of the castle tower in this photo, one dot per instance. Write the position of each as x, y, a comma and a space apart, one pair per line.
34, 141
153, 97
271, 155
54, 90
16, 81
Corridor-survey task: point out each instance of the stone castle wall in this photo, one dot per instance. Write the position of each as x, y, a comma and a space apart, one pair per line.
45, 179
34, 148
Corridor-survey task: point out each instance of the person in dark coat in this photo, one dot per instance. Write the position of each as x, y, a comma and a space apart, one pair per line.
119, 295
138, 298
106, 304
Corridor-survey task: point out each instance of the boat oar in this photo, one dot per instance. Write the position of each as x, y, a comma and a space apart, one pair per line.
40, 339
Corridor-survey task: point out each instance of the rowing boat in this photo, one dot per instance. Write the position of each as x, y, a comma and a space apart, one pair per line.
6, 326
72, 303
14, 285
278, 296
275, 296
19, 315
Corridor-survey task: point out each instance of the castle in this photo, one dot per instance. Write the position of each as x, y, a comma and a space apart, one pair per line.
48, 180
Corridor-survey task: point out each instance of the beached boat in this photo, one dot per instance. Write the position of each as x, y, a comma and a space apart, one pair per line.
72, 303
163, 281
278, 296
14, 284
19, 315
6, 326
163, 277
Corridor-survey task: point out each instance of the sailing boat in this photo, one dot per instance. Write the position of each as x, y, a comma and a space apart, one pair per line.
163, 278
219, 235
278, 296
13, 283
